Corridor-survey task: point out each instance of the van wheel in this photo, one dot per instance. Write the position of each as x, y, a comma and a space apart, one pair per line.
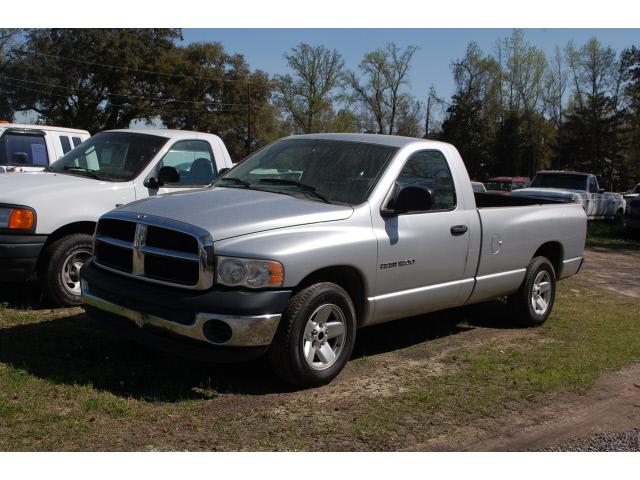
60, 273
531, 305
315, 336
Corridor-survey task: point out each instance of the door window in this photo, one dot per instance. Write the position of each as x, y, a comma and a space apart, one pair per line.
23, 150
593, 186
76, 141
194, 161
429, 169
66, 145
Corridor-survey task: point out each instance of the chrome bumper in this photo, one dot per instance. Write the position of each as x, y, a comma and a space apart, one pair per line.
246, 331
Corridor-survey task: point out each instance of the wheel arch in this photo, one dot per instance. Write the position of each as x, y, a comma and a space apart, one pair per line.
554, 252
87, 227
348, 277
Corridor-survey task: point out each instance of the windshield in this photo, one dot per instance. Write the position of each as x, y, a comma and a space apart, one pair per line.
478, 187
111, 156
334, 171
559, 180
25, 149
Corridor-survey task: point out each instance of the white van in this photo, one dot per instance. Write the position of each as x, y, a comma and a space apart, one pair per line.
28, 148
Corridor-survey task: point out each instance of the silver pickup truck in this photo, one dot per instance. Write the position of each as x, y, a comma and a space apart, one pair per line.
315, 236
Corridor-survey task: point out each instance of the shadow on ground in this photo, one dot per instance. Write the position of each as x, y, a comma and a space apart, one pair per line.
78, 350
22, 295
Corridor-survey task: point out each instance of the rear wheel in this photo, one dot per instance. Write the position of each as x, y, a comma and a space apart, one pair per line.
531, 305
60, 273
315, 336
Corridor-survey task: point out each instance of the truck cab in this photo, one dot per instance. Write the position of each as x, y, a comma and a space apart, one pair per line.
31, 148
47, 218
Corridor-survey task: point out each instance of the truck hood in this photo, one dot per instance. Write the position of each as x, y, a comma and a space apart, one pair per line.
554, 193
231, 212
33, 188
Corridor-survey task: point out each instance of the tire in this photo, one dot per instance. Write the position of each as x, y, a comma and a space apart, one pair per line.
526, 304
59, 274
297, 339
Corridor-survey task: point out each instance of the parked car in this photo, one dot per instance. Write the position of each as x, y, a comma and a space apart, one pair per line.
631, 194
506, 184
28, 148
376, 228
478, 187
47, 219
633, 220
578, 187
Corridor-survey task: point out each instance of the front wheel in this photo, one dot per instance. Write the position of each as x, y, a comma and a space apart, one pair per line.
60, 272
531, 305
315, 336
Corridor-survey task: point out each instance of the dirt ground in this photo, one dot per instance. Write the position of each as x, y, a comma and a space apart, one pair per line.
613, 405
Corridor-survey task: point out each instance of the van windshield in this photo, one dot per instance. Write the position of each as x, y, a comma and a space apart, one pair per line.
560, 180
333, 171
111, 156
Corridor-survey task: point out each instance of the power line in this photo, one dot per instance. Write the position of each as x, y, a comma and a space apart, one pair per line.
23, 51
109, 94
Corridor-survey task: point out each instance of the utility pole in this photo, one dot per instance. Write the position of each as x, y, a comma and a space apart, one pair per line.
249, 139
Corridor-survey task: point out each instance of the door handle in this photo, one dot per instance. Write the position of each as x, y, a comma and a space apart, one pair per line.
459, 229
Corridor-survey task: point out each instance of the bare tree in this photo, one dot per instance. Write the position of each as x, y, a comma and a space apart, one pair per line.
307, 94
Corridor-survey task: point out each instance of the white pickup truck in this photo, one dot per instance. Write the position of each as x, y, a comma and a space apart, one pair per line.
31, 148
47, 219
577, 187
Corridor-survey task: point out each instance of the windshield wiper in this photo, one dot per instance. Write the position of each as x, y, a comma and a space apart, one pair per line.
236, 180
304, 186
88, 171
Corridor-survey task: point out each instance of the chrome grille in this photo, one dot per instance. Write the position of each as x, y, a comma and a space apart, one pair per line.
154, 249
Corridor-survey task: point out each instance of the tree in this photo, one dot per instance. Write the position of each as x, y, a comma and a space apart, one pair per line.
384, 73
6, 110
108, 86
308, 94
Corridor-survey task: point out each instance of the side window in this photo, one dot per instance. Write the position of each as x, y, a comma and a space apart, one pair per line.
593, 186
194, 161
76, 141
21, 149
66, 145
429, 168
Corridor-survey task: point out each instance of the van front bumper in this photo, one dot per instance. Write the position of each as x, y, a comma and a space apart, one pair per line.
229, 319
19, 256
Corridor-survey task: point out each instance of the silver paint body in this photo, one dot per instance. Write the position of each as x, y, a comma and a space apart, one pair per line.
305, 236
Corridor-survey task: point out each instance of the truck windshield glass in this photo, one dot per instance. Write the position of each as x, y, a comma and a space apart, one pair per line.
337, 171
23, 149
563, 180
111, 156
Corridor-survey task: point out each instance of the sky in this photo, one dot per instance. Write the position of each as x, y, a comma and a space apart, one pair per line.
264, 48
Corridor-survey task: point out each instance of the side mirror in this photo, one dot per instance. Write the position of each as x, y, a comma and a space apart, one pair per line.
601, 190
165, 175
412, 198
222, 171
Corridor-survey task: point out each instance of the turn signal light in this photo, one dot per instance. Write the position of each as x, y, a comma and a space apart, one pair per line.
21, 219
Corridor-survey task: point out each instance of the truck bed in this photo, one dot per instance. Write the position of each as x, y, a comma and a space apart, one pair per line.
488, 200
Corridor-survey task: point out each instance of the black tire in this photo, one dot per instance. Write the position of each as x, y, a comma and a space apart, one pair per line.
286, 354
51, 275
521, 302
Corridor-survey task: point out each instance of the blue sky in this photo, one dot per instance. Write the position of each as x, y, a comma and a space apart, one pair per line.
264, 48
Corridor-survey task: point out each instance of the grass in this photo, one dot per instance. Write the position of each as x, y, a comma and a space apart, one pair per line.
67, 385
611, 236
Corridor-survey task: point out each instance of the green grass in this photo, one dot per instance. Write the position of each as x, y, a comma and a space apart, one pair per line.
66, 385
611, 236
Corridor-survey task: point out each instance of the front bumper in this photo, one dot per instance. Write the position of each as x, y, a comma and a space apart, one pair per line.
19, 256
215, 317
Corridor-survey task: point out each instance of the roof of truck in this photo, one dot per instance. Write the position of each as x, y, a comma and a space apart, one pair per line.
164, 132
566, 172
390, 140
24, 126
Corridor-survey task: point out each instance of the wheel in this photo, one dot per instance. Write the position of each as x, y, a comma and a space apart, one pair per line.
531, 305
315, 336
60, 272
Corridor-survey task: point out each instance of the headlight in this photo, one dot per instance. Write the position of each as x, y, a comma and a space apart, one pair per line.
249, 272
17, 218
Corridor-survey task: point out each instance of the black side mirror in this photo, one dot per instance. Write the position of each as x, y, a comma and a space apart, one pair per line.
412, 198
222, 171
165, 175
601, 190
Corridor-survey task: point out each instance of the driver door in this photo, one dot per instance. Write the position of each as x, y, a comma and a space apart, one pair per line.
195, 163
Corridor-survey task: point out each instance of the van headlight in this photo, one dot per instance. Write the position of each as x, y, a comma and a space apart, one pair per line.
17, 218
249, 272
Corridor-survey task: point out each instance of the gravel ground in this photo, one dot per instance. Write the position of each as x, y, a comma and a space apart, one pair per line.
628, 441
